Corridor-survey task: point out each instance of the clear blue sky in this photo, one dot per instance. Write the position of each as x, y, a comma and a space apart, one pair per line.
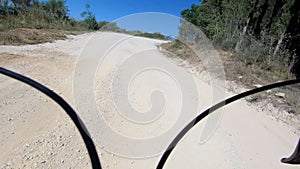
118, 10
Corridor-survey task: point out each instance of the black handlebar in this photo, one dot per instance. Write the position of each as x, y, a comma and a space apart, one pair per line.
89, 142
72, 114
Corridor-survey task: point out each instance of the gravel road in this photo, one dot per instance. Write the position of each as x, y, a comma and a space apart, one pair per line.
36, 133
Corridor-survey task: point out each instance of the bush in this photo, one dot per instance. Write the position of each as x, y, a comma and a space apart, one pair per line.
39, 15
155, 35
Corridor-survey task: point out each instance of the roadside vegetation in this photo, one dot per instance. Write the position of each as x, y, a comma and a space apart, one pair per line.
33, 21
37, 21
258, 40
52, 14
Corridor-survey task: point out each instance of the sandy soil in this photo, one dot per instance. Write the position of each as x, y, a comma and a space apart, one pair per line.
36, 133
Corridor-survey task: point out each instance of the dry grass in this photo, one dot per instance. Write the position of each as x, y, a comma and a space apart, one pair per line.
22, 36
179, 49
249, 75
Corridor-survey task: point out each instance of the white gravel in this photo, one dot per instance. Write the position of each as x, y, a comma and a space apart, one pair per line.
36, 133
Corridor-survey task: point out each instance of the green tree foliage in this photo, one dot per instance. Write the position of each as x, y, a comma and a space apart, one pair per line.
218, 22
102, 23
56, 8
155, 35
113, 27
4, 7
90, 18
21, 2
36, 14
256, 28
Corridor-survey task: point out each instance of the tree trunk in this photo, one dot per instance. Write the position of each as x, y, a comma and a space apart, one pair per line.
239, 43
251, 22
279, 43
263, 11
277, 7
220, 6
292, 37
246, 28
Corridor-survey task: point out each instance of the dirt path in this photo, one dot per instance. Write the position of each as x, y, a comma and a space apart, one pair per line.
36, 133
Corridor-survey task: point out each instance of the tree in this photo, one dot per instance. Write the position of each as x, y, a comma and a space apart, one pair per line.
90, 18
21, 2
292, 37
263, 28
4, 7
102, 23
276, 10
56, 8
112, 26
262, 12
